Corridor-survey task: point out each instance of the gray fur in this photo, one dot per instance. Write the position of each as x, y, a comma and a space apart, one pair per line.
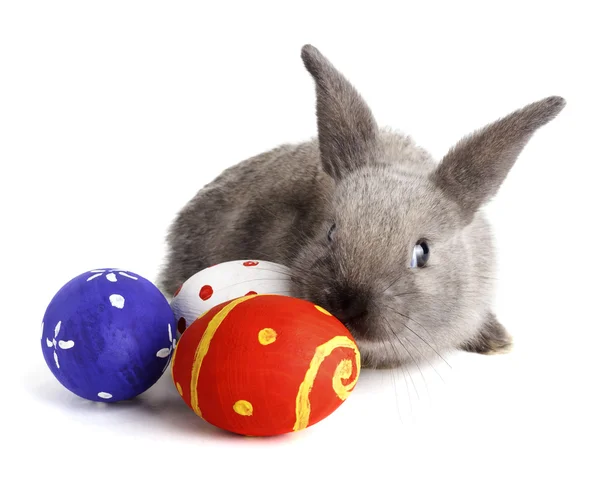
384, 193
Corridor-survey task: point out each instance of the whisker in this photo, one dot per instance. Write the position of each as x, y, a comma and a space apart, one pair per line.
392, 343
423, 358
396, 387
427, 360
485, 277
421, 338
415, 361
422, 293
406, 317
434, 350
393, 283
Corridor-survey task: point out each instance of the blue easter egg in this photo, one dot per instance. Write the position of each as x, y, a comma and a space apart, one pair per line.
108, 335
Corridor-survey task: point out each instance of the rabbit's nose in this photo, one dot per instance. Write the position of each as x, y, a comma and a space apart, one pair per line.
348, 305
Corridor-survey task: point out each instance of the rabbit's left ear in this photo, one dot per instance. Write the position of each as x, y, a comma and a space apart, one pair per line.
347, 130
472, 172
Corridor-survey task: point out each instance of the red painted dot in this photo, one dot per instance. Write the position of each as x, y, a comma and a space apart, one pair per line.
178, 290
251, 293
250, 264
206, 292
181, 325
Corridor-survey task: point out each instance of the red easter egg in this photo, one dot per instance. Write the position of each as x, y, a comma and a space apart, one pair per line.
264, 365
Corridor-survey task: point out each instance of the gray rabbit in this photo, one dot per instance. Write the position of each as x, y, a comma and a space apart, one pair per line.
369, 225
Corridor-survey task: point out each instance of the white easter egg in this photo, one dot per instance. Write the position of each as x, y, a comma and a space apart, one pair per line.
226, 281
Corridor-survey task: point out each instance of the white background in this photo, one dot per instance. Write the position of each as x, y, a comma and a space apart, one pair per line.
113, 114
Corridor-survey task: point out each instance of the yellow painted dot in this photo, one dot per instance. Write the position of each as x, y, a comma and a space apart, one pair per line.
267, 336
320, 309
179, 389
243, 408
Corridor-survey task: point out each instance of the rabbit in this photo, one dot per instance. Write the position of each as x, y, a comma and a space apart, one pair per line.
390, 241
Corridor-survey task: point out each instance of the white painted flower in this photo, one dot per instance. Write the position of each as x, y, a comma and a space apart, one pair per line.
61, 344
110, 275
166, 352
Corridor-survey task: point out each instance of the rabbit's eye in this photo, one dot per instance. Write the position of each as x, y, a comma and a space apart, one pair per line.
330, 233
420, 255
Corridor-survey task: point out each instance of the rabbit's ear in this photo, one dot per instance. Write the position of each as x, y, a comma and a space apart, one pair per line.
347, 129
473, 170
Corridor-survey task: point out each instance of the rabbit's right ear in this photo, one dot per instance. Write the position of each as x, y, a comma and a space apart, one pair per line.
472, 172
347, 130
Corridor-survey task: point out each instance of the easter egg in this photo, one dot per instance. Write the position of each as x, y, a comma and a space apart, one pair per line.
108, 335
263, 365
226, 281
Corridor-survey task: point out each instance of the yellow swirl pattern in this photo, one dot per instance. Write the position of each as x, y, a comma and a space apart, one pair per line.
204, 344
342, 371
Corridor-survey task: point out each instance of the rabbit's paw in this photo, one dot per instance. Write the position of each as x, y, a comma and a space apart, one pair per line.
493, 338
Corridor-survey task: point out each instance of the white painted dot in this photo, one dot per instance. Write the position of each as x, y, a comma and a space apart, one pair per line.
66, 344
104, 395
117, 301
163, 353
111, 277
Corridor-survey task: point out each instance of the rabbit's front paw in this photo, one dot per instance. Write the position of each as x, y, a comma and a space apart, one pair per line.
493, 338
